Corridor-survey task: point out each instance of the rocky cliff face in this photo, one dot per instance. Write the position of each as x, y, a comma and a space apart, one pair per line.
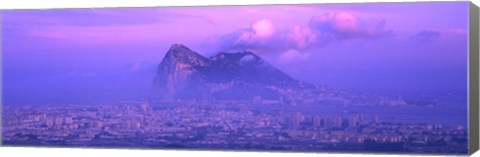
185, 74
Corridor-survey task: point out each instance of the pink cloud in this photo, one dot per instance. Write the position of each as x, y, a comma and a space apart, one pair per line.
457, 31
263, 28
260, 30
261, 37
264, 37
293, 43
302, 37
348, 25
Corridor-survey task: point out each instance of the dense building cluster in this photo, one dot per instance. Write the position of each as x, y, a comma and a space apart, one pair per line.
223, 125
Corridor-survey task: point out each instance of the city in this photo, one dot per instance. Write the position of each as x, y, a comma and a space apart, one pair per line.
220, 125
369, 78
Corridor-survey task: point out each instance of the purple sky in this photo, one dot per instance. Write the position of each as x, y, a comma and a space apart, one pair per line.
63, 54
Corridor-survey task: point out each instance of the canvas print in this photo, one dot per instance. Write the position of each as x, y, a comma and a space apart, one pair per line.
367, 77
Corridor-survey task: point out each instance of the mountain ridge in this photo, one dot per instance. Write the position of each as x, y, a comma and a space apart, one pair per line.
185, 74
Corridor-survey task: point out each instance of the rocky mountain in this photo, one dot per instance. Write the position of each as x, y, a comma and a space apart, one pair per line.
185, 74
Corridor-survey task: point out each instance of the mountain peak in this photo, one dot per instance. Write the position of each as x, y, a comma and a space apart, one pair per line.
178, 48
184, 73
181, 53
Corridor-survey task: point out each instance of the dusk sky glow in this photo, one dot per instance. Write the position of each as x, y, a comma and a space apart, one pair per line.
381, 46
